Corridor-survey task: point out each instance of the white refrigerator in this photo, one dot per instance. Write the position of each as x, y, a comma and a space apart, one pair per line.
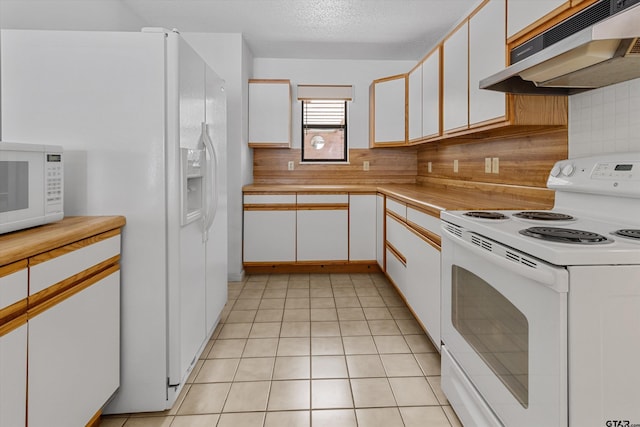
142, 120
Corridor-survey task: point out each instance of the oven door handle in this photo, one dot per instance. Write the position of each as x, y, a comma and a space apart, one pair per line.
554, 278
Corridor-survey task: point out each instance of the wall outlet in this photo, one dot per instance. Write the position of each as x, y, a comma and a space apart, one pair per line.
290, 165
365, 165
495, 165
429, 167
455, 166
487, 165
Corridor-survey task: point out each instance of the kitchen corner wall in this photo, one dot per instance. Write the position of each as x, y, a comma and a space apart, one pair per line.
605, 120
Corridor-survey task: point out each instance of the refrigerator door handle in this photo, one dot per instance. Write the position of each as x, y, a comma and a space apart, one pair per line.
212, 182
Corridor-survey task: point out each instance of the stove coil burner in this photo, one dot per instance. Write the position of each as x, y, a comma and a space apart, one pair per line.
565, 235
485, 215
543, 216
628, 233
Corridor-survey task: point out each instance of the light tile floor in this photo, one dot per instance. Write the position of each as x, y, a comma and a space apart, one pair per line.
311, 350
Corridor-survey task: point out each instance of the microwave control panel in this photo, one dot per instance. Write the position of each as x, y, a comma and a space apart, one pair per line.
53, 182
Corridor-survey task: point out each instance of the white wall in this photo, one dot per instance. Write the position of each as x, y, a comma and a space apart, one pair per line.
107, 15
359, 73
228, 55
605, 120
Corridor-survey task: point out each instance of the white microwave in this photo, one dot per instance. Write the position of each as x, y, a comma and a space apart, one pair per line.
31, 185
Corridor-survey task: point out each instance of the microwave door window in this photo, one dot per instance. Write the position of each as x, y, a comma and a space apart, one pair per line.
496, 330
14, 186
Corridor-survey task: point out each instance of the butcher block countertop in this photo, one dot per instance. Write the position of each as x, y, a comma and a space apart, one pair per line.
431, 199
23, 244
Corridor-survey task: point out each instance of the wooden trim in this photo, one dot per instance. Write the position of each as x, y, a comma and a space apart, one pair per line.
429, 237
396, 253
268, 193
95, 420
269, 145
13, 324
322, 207
46, 256
282, 207
395, 216
14, 267
268, 81
8, 313
57, 293
312, 267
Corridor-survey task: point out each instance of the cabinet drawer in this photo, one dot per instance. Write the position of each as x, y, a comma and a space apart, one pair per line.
13, 285
424, 220
269, 199
51, 268
398, 235
323, 198
397, 208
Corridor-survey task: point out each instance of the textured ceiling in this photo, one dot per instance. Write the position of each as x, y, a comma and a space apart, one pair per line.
353, 29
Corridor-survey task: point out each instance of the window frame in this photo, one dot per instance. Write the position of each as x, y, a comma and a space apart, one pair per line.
344, 127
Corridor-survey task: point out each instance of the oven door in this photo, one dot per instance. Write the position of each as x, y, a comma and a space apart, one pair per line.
21, 188
504, 328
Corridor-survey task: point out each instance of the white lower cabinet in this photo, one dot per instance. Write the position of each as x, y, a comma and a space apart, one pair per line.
413, 264
362, 227
323, 234
74, 353
423, 284
269, 228
13, 372
380, 215
270, 236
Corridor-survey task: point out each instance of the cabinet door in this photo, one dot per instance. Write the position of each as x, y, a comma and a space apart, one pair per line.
380, 215
13, 376
456, 80
270, 235
415, 104
269, 227
74, 355
389, 104
396, 270
362, 227
486, 56
423, 283
323, 235
431, 95
522, 13
270, 113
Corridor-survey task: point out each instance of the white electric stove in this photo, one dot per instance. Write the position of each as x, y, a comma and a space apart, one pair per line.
541, 309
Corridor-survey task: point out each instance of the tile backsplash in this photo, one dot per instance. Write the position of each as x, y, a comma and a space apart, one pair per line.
605, 120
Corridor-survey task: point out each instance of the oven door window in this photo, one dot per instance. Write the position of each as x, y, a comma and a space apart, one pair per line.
14, 185
496, 330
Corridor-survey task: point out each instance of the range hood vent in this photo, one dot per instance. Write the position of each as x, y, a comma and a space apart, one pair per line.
596, 47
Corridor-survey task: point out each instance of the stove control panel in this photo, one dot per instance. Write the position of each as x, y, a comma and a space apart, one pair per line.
610, 174
626, 171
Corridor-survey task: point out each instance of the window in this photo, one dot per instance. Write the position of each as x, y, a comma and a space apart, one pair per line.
324, 130
324, 122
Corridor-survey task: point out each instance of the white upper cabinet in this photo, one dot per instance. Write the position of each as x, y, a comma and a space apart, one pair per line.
269, 113
415, 104
522, 13
455, 79
424, 98
388, 103
431, 94
486, 57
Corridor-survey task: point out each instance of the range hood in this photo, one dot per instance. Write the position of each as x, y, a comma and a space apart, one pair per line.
567, 61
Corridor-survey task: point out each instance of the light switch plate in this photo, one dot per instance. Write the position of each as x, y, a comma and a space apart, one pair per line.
365, 165
487, 165
429, 167
455, 166
495, 165
290, 165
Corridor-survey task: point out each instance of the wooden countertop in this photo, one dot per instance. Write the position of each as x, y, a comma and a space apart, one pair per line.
23, 244
430, 199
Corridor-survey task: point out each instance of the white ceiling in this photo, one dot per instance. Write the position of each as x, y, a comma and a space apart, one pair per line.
337, 29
